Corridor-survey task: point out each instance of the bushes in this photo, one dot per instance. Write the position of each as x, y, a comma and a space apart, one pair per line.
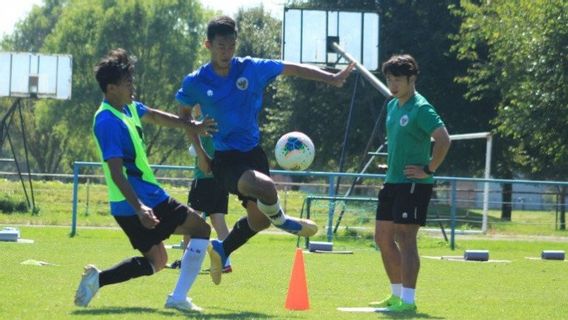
9, 205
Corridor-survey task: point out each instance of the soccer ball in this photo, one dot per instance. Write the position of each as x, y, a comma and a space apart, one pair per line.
294, 151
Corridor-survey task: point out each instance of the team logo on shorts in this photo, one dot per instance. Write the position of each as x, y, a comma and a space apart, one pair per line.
242, 83
405, 215
209, 93
404, 120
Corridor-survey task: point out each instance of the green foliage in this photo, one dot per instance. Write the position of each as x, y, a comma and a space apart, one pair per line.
9, 204
166, 38
516, 51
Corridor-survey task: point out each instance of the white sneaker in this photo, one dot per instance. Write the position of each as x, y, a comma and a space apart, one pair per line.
88, 287
299, 227
184, 305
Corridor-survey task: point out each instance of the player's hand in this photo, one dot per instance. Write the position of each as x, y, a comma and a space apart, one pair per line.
340, 77
415, 172
147, 217
204, 163
206, 127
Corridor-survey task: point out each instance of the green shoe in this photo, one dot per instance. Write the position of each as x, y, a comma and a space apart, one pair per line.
402, 307
390, 301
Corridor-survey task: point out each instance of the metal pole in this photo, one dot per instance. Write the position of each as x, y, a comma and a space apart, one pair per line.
383, 89
75, 191
331, 209
33, 205
453, 209
346, 135
486, 184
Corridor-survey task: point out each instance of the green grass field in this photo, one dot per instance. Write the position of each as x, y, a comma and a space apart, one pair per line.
520, 288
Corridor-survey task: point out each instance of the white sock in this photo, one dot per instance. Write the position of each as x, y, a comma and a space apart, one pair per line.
408, 295
273, 211
190, 267
396, 289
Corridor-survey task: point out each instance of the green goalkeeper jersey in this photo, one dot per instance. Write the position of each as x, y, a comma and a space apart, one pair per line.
409, 128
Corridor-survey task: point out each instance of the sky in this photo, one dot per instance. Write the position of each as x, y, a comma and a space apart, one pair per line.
17, 10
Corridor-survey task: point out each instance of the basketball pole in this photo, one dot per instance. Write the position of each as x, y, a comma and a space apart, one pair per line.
5, 135
375, 82
364, 166
346, 135
383, 89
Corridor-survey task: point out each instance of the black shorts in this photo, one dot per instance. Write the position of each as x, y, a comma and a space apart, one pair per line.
404, 203
208, 196
171, 214
229, 166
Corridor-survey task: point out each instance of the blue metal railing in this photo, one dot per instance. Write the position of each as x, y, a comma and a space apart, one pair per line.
331, 176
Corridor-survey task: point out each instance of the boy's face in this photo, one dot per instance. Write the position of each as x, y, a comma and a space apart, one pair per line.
400, 86
222, 49
122, 92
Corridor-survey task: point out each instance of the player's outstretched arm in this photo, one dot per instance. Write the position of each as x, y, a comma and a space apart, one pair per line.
162, 118
310, 72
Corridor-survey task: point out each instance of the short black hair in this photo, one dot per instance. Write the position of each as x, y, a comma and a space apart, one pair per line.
401, 65
221, 26
114, 67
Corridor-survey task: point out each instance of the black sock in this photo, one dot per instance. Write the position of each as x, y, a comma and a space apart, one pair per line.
238, 236
128, 269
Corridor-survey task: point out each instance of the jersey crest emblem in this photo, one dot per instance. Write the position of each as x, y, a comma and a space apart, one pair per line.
209, 93
404, 120
242, 83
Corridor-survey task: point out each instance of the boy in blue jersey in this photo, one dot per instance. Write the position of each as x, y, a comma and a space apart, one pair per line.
144, 211
411, 123
229, 89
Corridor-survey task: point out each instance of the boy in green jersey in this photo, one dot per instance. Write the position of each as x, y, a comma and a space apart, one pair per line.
411, 123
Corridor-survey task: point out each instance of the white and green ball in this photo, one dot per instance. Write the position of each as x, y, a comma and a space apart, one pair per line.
295, 151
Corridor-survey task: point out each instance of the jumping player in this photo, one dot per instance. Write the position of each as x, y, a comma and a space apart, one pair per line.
144, 211
229, 89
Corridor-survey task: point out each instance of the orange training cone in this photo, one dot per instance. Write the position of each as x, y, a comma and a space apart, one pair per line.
297, 298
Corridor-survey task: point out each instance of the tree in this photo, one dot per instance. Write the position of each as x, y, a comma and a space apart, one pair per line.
517, 53
166, 37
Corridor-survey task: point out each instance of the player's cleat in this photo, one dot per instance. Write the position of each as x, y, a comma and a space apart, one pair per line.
390, 301
299, 227
175, 265
218, 260
88, 287
184, 305
226, 269
402, 307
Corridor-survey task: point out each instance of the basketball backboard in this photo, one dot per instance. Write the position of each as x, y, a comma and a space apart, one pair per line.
24, 74
306, 33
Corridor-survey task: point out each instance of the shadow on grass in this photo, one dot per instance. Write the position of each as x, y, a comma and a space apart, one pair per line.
169, 312
409, 315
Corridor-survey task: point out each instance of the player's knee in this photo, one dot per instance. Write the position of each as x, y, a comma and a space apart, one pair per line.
200, 229
384, 240
257, 185
381, 241
159, 263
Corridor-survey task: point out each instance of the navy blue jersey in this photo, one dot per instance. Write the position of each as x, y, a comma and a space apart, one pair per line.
115, 142
233, 101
